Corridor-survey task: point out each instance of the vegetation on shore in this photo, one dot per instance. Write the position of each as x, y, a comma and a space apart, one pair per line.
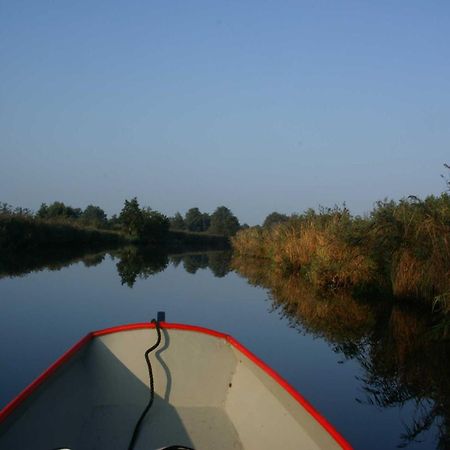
401, 248
26, 233
57, 225
221, 222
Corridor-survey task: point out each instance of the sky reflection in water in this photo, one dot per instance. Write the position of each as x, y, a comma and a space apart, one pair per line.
374, 372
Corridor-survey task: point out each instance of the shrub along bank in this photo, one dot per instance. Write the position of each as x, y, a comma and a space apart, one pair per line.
401, 247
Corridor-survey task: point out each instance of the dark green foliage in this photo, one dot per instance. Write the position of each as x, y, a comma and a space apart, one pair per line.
9, 210
93, 260
183, 241
5, 209
95, 216
219, 263
61, 225
206, 221
177, 222
114, 222
193, 220
58, 210
196, 220
42, 211
131, 217
137, 262
192, 263
274, 218
224, 222
19, 233
155, 226
145, 225
21, 262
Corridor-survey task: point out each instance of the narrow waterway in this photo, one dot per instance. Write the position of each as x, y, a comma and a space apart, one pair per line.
380, 374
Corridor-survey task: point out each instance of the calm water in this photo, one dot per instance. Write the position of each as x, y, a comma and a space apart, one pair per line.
377, 373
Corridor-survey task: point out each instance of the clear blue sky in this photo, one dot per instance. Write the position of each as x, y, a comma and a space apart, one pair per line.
258, 105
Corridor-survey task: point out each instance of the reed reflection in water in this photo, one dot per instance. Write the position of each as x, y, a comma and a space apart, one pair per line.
403, 357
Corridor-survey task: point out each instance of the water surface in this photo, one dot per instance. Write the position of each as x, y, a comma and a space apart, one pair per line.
374, 371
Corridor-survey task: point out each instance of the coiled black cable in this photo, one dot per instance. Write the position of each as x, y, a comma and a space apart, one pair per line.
152, 395
152, 387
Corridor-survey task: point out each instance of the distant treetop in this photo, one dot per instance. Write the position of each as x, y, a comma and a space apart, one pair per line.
224, 222
274, 218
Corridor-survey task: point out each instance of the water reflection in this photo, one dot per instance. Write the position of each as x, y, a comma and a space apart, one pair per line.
403, 357
22, 263
219, 262
93, 260
133, 262
404, 362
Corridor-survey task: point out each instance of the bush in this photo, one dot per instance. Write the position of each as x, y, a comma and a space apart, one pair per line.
402, 247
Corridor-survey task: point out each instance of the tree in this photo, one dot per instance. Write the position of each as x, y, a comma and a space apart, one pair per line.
58, 210
219, 263
147, 225
192, 263
42, 211
224, 222
177, 222
131, 217
194, 220
94, 215
114, 221
206, 222
155, 226
136, 262
274, 218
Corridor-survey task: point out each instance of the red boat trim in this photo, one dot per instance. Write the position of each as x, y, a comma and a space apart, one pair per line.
294, 393
8, 409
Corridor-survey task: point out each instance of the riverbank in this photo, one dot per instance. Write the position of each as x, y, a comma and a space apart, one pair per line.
20, 233
400, 249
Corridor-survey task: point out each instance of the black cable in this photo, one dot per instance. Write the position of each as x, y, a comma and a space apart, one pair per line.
177, 447
152, 387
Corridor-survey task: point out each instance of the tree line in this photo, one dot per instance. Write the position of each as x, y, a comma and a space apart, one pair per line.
222, 221
141, 223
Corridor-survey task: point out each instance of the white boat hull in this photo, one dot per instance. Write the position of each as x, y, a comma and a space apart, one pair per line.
210, 393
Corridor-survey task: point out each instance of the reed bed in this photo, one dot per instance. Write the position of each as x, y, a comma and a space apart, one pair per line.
401, 248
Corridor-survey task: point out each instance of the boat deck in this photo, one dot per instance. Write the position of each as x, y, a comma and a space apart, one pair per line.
208, 395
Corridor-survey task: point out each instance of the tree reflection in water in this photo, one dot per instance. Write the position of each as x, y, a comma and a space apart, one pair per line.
139, 262
403, 360
403, 354
133, 262
218, 262
53, 259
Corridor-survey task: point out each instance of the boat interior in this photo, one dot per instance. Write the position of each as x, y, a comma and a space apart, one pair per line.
208, 395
